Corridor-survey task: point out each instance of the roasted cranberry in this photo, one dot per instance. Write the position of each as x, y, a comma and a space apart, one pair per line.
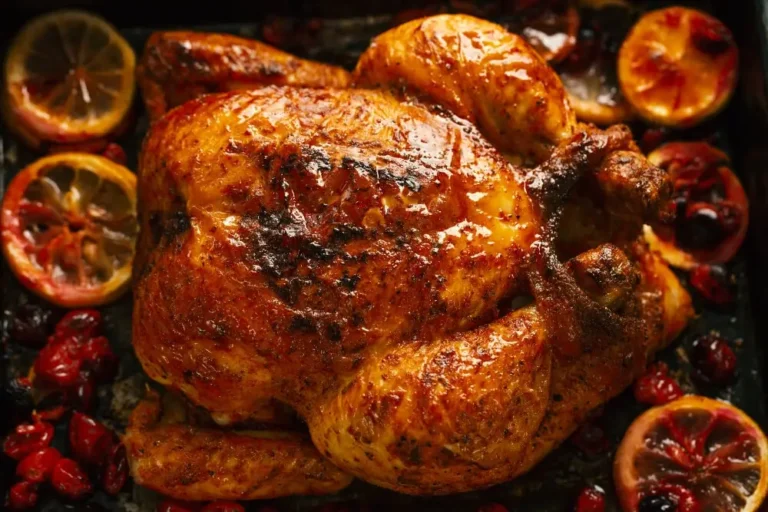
713, 359
81, 324
37, 467
58, 363
115, 153
656, 387
171, 505
28, 438
69, 479
591, 499
492, 507
706, 225
713, 283
82, 395
223, 506
116, 472
91, 441
98, 358
710, 37
652, 138
30, 325
654, 503
52, 406
22, 496
590, 439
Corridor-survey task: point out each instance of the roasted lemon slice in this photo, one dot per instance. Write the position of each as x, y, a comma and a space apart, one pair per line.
693, 454
69, 228
69, 78
678, 66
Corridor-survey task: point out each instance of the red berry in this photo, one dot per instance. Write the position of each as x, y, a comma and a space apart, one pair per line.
22, 496
97, 357
81, 396
714, 360
91, 441
591, 499
223, 506
656, 387
37, 467
58, 363
171, 505
82, 324
492, 507
590, 439
116, 472
69, 479
28, 438
713, 283
53, 413
115, 153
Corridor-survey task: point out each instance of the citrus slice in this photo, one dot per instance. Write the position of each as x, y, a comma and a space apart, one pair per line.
69, 77
694, 454
589, 71
678, 66
712, 210
68, 224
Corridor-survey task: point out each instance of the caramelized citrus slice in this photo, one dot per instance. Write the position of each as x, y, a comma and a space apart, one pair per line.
695, 453
712, 212
589, 71
69, 78
678, 66
69, 228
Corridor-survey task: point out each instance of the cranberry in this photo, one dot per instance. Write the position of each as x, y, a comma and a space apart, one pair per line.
90, 440
82, 324
59, 362
28, 438
710, 37
81, 397
656, 387
22, 496
37, 467
69, 479
713, 359
713, 283
116, 472
223, 506
654, 503
30, 325
171, 505
97, 357
653, 138
590, 439
591, 499
115, 153
492, 507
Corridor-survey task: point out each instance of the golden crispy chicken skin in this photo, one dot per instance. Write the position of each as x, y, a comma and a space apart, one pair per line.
359, 256
480, 72
179, 66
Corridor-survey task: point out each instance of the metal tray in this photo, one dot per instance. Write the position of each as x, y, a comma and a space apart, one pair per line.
553, 484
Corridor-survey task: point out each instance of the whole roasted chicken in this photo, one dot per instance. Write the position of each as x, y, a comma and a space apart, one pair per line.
425, 280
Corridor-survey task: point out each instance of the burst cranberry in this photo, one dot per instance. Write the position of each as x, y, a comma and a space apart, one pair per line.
116, 472
171, 505
30, 325
37, 467
492, 507
590, 439
97, 357
81, 397
69, 479
22, 496
713, 359
223, 506
59, 362
656, 386
89, 439
713, 283
115, 153
81, 324
591, 499
28, 438
53, 413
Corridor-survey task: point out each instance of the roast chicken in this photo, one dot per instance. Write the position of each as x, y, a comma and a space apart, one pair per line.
371, 276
